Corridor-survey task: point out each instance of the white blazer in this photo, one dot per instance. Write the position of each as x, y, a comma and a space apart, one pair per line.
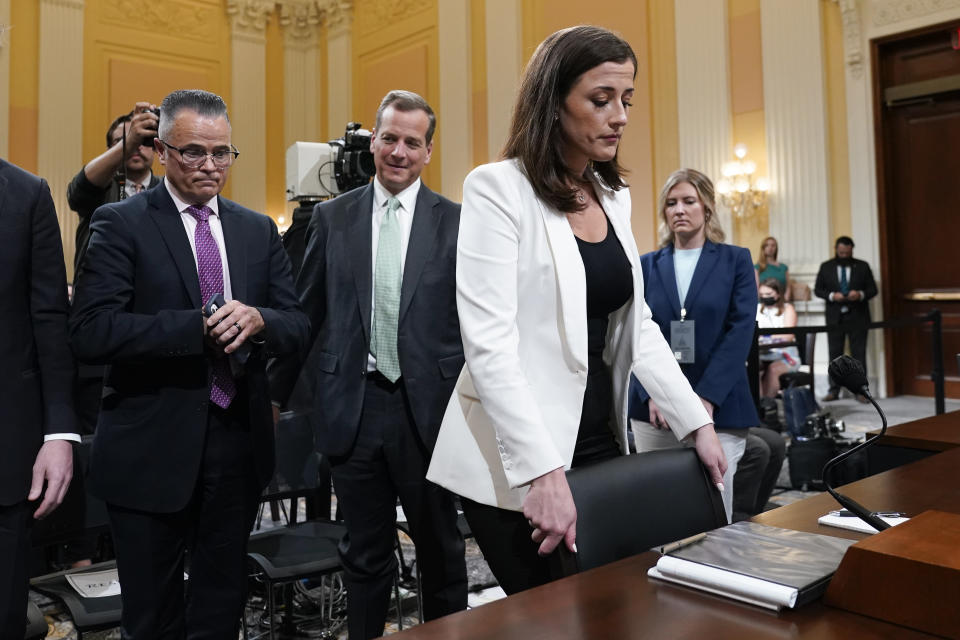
522, 301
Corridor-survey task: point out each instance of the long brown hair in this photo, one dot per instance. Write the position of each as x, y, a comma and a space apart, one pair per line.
536, 139
762, 262
774, 284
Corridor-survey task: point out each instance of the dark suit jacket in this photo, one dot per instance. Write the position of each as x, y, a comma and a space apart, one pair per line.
722, 300
335, 290
861, 279
137, 308
36, 368
84, 197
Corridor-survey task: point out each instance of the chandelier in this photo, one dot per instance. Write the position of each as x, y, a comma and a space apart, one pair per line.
738, 190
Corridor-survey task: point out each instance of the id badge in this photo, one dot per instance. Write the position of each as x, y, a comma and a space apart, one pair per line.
681, 340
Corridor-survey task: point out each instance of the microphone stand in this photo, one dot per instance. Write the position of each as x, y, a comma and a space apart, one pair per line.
848, 503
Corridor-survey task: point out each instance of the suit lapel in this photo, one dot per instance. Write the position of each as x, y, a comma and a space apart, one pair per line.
161, 209
668, 278
423, 233
359, 224
571, 281
705, 265
236, 249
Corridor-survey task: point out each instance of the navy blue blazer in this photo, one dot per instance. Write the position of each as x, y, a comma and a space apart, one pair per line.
722, 300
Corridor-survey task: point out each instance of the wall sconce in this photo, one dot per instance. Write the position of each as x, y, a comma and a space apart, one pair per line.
738, 190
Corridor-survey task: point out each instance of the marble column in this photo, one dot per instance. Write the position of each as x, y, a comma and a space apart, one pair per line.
302, 100
796, 128
59, 121
248, 107
703, 91
454, 124
339, 23
504, 33
4, 78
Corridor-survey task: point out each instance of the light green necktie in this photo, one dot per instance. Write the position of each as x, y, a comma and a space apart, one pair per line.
386, 303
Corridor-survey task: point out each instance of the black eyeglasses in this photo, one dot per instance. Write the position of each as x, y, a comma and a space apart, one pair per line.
193, 158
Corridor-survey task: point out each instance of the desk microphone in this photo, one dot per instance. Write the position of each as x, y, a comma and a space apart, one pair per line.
849, 374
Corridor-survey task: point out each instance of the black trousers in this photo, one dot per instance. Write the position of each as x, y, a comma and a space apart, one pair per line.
852, 325
757, 472
504, 535
387, 461
14, 551
212, 531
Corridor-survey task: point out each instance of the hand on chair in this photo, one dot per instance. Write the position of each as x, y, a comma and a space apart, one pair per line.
551, 513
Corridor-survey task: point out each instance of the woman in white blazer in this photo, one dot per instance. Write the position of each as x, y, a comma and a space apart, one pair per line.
550, 298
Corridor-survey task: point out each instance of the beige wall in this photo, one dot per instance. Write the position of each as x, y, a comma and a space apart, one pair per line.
464, 56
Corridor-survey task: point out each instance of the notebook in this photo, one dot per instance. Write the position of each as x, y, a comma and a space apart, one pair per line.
765, 566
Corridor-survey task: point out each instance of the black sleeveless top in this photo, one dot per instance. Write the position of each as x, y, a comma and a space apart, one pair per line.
609, 278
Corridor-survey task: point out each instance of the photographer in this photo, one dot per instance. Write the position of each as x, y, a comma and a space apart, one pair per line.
98, 182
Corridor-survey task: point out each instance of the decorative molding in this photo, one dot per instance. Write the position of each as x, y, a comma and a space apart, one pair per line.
180, 19
380, 14
300, 21
887, 12
852, 40
336, 13
249, 16
703, 92
69, 4
796, 128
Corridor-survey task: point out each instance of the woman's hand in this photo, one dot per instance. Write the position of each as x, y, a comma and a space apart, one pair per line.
656, 418
551, 513
711, 453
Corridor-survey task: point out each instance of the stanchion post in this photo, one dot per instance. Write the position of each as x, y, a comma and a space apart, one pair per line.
937, 373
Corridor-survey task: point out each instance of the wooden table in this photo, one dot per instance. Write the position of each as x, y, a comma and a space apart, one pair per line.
619, 602
914, 440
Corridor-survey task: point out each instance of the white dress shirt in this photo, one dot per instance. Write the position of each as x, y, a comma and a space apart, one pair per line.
130, 186
408, 203
190, 226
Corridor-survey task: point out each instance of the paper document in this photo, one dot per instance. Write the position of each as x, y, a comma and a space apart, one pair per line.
854, 523
95, 584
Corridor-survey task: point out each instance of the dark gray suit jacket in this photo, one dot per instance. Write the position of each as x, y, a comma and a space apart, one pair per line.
36, 368
335, 291
137, 308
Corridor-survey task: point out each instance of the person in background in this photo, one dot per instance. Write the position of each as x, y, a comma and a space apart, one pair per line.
770, 267
551, 311
37, 422
847, 285
703, 296
774, 313
378, 285
757, 472
98, 182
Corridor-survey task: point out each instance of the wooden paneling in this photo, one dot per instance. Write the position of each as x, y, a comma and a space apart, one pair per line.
917, 167
395, 47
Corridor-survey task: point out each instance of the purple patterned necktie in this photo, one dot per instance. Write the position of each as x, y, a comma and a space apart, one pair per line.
210, 269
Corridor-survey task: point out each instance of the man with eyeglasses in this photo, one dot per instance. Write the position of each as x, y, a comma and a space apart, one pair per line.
184, 442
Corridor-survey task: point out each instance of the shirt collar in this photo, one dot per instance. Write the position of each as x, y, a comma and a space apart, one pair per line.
182, 205
407, 197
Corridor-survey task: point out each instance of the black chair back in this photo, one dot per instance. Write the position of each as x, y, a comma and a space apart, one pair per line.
631, 504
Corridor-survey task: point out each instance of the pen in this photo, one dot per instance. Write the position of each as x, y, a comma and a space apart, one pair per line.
843, 513
673, 546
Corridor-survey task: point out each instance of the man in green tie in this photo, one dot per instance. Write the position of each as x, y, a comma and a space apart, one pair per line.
846, 284
378, 283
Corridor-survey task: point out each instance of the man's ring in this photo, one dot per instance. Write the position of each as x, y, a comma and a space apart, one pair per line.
237, 325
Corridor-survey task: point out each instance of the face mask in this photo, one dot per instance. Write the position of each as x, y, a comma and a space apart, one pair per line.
768, 302
844, 262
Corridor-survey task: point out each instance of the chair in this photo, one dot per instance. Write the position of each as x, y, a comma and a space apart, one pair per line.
803, 376
78, 514
630, 504
296, 551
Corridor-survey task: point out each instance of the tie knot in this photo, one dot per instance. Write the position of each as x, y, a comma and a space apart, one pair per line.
201, 213
393, 204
